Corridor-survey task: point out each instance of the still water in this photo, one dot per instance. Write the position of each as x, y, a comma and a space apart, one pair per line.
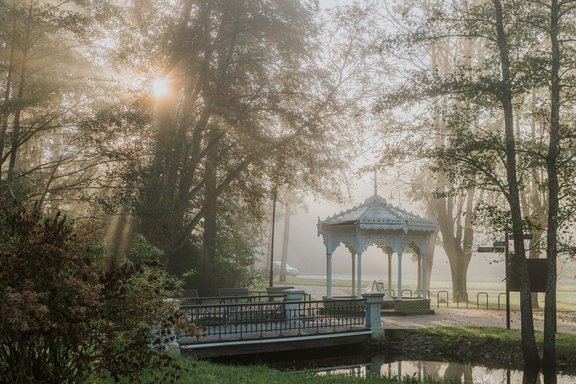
357, 362
459, 373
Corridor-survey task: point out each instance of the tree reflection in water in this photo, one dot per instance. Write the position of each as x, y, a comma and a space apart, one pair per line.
467, 373
457, 372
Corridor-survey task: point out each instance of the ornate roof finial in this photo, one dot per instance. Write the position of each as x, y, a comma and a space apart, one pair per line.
375, 181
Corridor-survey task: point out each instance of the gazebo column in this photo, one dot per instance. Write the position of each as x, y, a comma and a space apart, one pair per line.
353, 273
359, 278
399, 293
419, 262
390, 274
328, 274
424, 275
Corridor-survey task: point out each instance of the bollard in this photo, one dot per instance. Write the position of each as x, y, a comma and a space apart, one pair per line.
438, 298
373, 310
478, 299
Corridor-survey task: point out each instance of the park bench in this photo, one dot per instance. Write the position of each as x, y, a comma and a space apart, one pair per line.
343, 306
226, 292
188, 296
276, 293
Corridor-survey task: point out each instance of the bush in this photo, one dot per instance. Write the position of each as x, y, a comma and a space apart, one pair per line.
49, 294
136, 317
61, 316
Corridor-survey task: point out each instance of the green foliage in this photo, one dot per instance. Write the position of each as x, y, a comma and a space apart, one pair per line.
204, 372
234, 261
62, 316
142, 251
136, 319
49, 295
48, 84
235, 252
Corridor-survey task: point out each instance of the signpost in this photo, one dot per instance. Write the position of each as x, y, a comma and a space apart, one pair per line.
507, 261
537, 271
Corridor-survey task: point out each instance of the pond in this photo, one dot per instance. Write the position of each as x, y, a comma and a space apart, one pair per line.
358, 362
463, 373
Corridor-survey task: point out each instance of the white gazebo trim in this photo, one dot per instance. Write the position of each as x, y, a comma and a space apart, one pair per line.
376, 222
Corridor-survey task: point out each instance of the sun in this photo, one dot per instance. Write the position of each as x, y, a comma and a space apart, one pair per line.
160, 87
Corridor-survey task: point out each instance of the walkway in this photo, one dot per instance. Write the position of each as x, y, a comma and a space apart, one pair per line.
458, 317
452, 317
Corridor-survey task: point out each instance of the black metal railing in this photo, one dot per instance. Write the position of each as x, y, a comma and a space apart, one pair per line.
445, 300
236, 299
484, 300
483, 294
268, 319
407, 290
253, 297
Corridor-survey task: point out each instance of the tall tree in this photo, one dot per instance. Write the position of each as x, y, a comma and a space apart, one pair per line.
249, 102
512, 193
443, 57
486, 144
46, 74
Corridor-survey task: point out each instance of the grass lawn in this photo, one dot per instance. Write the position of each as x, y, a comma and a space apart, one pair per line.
208, 373
565, 342
566, 300
470, 344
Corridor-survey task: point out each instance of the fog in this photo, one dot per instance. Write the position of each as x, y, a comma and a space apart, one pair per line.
306, 249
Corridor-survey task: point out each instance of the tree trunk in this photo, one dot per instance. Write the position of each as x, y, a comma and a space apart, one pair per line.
210, 213
458, 271
7, 93
454, 247
549, 347
519, 265
12, 163
430, 261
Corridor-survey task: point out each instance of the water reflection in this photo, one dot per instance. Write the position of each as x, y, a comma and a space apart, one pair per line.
355, 362
457, 373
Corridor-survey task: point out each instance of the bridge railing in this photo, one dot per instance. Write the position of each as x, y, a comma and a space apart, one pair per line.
258, 297
253, 297
272, 318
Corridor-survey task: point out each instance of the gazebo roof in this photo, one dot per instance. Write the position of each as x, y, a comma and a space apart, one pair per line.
375, 213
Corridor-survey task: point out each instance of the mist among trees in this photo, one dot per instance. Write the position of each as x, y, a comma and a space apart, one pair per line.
166, 128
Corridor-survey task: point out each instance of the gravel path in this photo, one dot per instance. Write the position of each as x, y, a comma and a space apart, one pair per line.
452, 317
457, 317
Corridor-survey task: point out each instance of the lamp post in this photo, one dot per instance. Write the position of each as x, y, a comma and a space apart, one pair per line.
397, 188
274, 198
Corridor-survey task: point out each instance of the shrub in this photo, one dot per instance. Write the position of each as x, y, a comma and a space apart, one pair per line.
49, 295
62, 317
137, 319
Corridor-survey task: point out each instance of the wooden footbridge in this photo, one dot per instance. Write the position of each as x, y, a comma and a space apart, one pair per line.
246, 324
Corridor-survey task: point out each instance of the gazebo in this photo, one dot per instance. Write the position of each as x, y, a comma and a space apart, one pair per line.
376, 222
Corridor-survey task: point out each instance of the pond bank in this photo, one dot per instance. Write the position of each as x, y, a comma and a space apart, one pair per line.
494, 347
